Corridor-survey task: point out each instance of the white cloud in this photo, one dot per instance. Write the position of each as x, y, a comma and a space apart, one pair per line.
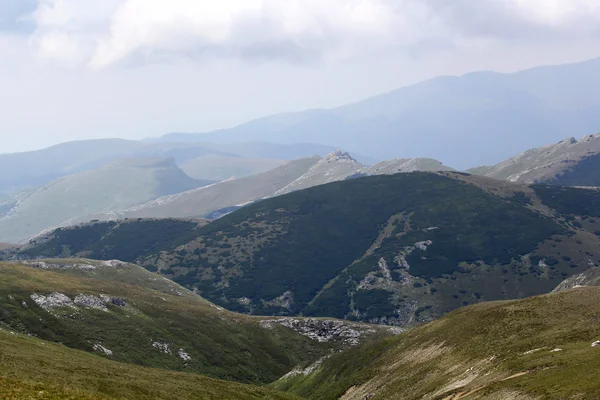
100, 33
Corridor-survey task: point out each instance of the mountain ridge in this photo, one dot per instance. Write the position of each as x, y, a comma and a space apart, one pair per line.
398, 249
460, 121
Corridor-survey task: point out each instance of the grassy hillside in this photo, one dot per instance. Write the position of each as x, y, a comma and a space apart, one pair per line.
218, 168
200, 202
537, 348
31, 368
397, 249
75, 197
127, 314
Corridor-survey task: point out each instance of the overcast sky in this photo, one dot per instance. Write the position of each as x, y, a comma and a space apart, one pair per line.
79, 69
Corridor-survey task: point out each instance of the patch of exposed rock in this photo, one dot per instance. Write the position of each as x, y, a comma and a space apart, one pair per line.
162, 347
89, 301
80, 266
102, 349
324, 330
59, 300
184, 355
305, 371
53, 300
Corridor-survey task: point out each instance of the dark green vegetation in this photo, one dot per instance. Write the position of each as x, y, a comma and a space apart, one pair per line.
584, 202
537, 348
125, 240
147, 320
394, 249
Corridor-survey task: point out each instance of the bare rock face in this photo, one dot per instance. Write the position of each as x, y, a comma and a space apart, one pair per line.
53, 300
59, 300
591, 277
325, 330
162, 347
89, 301
48, 266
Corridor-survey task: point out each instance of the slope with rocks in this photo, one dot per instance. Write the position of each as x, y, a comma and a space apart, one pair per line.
40, 369
124, 313
397, 249
233, 192
570, 162
546, 347
403, 165
591, 277
116, 186
222, 198
334, 167
340, 165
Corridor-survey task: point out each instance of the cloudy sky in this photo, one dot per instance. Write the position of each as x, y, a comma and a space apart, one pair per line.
78, 69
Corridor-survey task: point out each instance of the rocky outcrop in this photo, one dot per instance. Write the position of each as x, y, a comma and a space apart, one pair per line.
53, 300
57, 300
326, 330
591, 277
99, 348
162, 347
334, 167
73, 265
89, 301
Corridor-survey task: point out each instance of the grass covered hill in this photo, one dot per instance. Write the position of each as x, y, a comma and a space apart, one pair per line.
543, 347
124, 313
77, 197
31, 368
395, 249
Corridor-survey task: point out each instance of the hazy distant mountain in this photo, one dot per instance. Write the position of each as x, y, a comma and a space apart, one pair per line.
477, 119
254, 149
35, 168
218, 168
202, 201
116, 186
570, 162
29, 169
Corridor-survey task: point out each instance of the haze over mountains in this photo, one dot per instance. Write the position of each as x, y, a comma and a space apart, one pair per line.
476, 119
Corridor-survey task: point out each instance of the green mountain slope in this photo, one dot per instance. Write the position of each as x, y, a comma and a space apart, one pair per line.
539, 348
75, 197
31, 368
396, 249
127, 314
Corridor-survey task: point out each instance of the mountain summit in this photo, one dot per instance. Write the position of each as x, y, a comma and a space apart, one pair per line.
569, 162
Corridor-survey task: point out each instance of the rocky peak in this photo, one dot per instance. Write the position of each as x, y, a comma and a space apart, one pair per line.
337, 156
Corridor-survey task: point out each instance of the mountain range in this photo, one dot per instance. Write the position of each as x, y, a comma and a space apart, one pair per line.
158, 188
36, 168
396, 249
477, 119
